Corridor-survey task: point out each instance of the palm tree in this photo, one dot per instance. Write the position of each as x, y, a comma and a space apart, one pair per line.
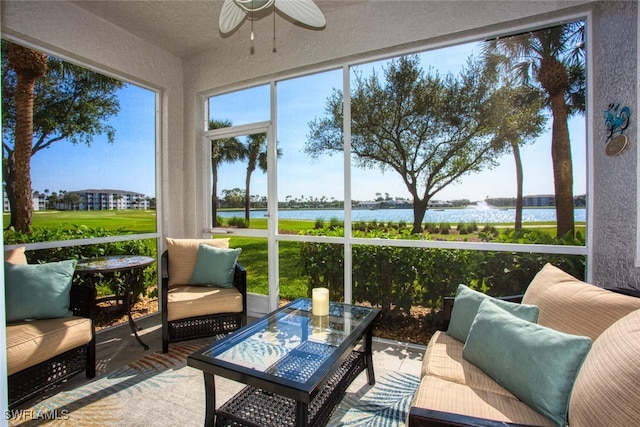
256, 155
29, 66
521, 125
552, 58
226, 150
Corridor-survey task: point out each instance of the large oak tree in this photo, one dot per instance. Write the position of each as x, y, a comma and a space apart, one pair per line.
430, 129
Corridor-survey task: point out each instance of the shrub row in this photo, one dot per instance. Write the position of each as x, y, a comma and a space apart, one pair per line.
397, 278
143, 282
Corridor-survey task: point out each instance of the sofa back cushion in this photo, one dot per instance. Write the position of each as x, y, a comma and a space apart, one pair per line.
38, 291
15, 256
467, 303
572, 306
183, 254
537, 364
607, 387
215, 266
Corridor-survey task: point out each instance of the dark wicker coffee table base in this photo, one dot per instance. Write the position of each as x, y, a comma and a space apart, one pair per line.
253, 407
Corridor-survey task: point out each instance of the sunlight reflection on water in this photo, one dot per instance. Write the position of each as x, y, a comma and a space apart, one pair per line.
452, 216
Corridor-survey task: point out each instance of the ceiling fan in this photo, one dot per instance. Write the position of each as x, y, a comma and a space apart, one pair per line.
304, 11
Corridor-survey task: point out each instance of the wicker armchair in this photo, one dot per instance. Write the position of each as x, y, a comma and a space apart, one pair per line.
225, 315
31, 381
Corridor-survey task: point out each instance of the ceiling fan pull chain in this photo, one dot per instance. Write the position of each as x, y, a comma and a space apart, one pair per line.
251, 24
274, 31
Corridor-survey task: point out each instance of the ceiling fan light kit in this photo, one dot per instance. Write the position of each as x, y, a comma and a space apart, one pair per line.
234, 12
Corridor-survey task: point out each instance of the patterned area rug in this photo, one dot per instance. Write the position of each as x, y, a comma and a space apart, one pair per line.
160, 389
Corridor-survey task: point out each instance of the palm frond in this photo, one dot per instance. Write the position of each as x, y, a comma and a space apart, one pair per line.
386, 404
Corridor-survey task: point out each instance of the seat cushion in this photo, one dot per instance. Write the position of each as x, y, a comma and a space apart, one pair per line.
572, 306
447, 396
192, 301
29, 343
608, 385
443, 359
183, 254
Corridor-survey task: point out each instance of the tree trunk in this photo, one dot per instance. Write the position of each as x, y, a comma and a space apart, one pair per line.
214, 194
10, 181
24, 139
552, 75
247, 204
519, 182
419, 209
562, 167
29, 66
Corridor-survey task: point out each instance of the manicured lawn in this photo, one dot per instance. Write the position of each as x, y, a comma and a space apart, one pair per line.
254, 259
131, 221
254, 250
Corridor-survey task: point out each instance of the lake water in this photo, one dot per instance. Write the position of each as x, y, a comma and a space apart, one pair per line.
453, 216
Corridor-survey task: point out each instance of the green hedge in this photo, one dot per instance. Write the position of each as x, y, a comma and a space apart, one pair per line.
396, 278
143, 282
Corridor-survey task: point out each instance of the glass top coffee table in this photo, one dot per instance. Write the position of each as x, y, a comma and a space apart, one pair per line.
296, 366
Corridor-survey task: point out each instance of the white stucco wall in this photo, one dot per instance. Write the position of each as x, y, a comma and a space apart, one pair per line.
615, 193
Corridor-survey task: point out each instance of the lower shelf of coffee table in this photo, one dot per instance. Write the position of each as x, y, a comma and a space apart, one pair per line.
253, 407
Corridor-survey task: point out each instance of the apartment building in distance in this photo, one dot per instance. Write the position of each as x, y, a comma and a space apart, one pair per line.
90, 200
96, 200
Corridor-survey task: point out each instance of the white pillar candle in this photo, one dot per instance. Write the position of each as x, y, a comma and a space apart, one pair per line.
320, 301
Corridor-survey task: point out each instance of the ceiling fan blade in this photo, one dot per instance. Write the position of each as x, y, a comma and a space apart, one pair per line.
231, 16
304, 11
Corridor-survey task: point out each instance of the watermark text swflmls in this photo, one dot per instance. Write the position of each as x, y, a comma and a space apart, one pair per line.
36, 414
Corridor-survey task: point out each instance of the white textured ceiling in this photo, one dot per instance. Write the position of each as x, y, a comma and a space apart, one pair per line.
183, 27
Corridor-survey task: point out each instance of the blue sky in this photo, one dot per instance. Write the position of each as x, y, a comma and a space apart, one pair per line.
301, 100
128, 163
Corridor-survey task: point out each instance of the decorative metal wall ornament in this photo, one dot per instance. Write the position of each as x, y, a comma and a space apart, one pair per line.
234, 12
616, 121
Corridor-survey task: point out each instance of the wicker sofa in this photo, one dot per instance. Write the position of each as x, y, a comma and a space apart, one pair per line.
601, 391
44, 353
191, 310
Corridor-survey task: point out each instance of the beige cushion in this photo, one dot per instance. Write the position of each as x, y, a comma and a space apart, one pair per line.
29, 343
15, 256
607, 388
183, 254
447, 396
572, 306
191, 301
443, 359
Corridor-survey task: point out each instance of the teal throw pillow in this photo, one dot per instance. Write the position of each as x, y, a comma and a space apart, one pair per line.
38, 291
537, 364
215, 266
465, 307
